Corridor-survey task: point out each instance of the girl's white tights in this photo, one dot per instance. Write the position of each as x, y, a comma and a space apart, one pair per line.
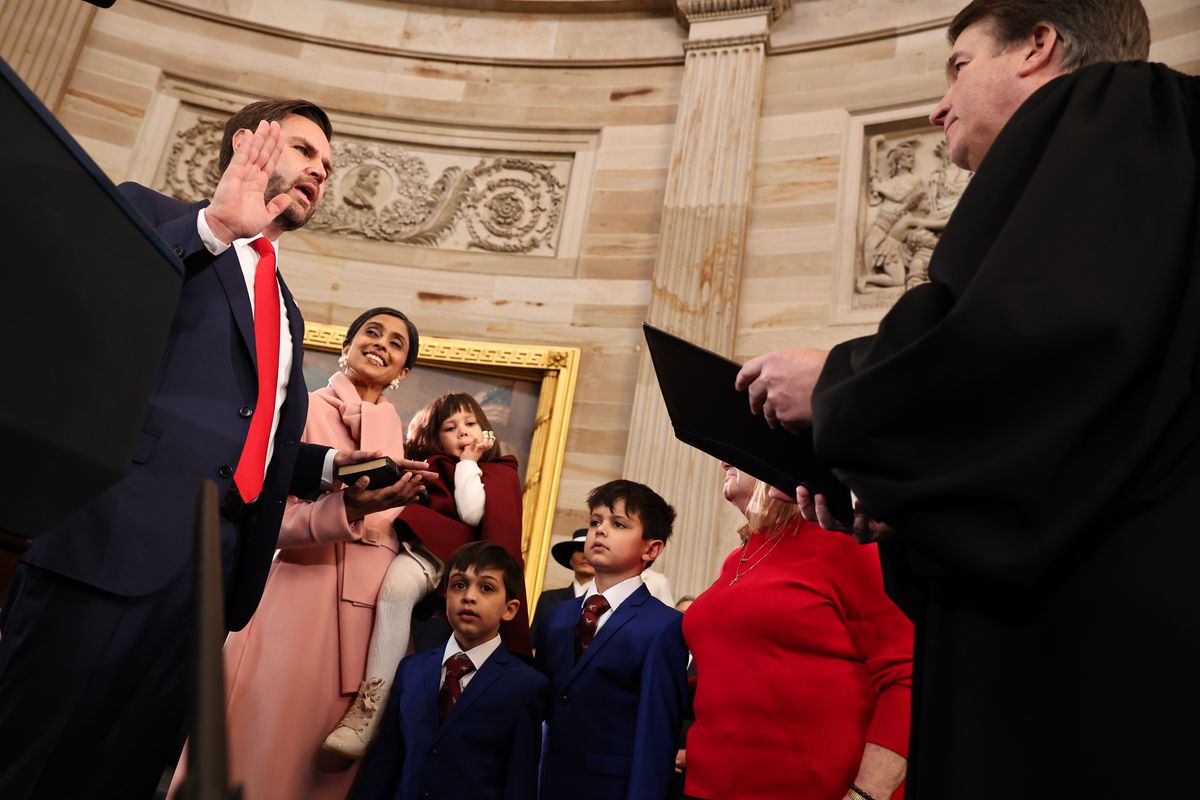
403, 587
404, 584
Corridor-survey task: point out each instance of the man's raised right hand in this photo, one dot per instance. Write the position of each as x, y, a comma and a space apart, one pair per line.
239, 208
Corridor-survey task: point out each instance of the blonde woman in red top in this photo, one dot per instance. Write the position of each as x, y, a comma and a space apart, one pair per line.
804, 666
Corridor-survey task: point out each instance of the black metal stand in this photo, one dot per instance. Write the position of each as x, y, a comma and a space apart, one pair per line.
208, 773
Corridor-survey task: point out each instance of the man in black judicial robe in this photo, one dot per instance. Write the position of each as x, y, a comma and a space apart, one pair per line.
1027, 426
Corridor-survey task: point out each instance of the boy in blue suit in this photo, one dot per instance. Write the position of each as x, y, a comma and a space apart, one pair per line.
464, 720
616, 661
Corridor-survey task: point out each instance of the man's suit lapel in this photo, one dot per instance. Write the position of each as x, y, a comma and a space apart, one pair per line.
492, 669
427, 691
229, 273
624, 613
295, 322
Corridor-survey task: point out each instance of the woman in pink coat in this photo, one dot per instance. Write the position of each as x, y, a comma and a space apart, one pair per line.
293, 671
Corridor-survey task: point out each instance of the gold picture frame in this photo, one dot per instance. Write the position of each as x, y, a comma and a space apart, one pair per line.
552, 370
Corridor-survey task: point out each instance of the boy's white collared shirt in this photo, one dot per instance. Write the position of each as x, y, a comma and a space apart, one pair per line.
615, 596
478, 655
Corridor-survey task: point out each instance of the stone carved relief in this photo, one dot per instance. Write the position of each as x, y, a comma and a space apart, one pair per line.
386, 192
514, 206
191, 170
909, 192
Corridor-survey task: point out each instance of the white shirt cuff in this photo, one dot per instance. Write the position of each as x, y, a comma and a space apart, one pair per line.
327, 470
211, 242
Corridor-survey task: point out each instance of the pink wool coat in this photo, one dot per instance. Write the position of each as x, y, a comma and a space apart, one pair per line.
293, 671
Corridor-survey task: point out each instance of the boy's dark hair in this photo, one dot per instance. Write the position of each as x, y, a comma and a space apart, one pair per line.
414, 342
271, 111
1091, 30
424, 427
655, 514
488, 555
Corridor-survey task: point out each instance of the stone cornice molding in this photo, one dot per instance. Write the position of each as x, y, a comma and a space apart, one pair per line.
727, 42
665, 55
564, 7
689, 11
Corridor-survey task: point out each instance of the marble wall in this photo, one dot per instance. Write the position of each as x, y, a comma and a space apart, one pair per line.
596, 92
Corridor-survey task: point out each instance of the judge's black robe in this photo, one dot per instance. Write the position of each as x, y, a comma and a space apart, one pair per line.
1029, 425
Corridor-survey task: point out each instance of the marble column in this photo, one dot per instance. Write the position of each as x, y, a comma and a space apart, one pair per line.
697, 272
41, 40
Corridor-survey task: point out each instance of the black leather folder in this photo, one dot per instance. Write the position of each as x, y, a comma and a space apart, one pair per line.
710, 415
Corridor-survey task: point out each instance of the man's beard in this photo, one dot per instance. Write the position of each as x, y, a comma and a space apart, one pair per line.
294, 216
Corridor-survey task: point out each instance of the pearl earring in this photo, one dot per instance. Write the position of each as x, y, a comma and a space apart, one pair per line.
395, 384
342, 362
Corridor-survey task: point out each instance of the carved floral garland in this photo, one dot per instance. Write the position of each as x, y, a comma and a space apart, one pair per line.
384, 193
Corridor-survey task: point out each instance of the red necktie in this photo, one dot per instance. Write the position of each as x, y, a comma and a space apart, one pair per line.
457, 665
585, 630
253, 462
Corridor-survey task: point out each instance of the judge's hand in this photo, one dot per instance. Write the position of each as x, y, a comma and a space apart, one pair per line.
781, 383
240, 208
814, 508
361, 500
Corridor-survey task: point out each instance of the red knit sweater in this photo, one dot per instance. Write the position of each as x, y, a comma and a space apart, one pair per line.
799, 664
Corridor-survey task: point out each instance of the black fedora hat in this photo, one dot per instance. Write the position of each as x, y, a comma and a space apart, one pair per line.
563, 550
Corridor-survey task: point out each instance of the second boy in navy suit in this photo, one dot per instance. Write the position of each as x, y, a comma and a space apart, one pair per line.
616, 661
464, 720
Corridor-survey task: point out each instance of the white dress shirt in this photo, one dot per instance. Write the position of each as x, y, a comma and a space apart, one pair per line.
478, 655
248, 259
615, 596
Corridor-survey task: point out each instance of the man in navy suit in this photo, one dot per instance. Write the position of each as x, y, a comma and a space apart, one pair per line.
616, 661
96, 624
464, 720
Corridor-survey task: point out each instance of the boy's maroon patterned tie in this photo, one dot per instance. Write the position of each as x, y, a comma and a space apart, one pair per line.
457, 666
585, 629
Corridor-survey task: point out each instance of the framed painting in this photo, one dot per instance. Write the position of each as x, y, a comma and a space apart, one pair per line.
526, 392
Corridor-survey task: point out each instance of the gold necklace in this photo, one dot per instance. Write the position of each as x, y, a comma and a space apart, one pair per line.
737, 572
761, 547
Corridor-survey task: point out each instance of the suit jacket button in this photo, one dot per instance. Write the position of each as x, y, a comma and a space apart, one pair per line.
179, 252
433, 753
225, 470
563, 699
245, 412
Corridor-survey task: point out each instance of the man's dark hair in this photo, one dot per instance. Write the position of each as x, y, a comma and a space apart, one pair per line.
414, 343
1091, 30
488, 555
271, 111
652, 511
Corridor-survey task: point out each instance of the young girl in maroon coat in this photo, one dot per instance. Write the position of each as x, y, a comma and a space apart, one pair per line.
477, 495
